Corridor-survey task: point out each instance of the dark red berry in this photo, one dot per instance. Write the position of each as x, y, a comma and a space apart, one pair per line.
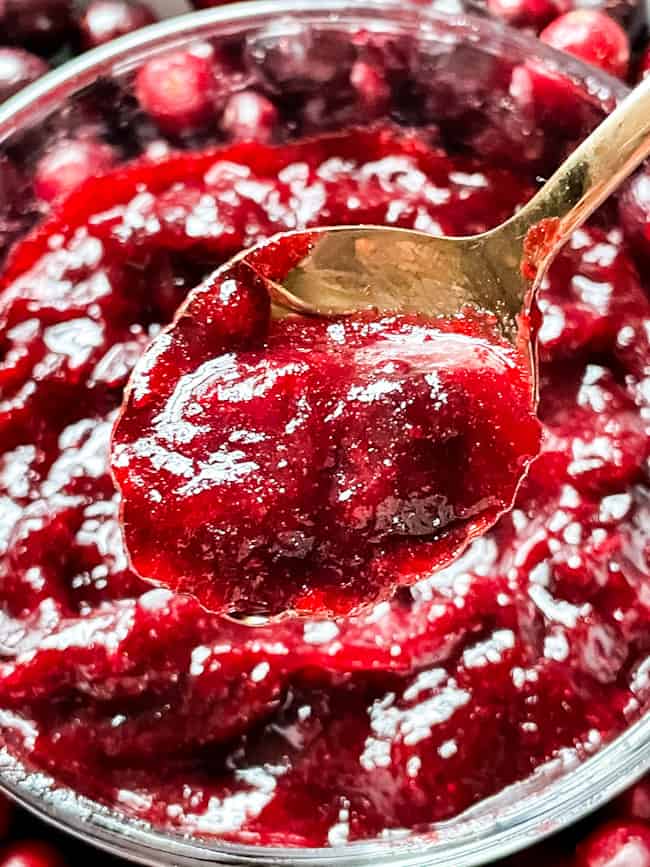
616, 844
301, 59
107, 19
593, 36
31, 853
249, 115
40, 25
68, 164
18, 68
178, 90
534, 14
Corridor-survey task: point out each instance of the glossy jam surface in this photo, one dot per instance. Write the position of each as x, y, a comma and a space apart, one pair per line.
314, 465
533, 646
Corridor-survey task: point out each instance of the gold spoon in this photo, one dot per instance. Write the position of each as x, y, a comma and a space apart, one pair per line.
354, 268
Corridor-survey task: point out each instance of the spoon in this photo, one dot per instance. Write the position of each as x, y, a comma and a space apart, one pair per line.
353, 268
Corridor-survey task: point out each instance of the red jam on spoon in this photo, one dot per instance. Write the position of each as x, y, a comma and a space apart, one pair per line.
314, 465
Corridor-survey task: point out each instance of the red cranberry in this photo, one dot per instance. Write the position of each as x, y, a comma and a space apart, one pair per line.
296, 58
41, 25
593, 36
107, 19
68, 164
249, 115
635, 802
177, 90
31, 853
18, 68
616, 844
535, 14
372, 88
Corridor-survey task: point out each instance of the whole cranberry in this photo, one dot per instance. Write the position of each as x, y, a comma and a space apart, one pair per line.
634, 213
616, 844
593, 36
177, 90
534, 14
31, 853
635, 802
68, 164
294, 58
40, 25
18, 68
249, 115
107, 19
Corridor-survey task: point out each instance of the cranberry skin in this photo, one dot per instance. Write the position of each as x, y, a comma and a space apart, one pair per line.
593, 36
40, 25
616, 844
299, 60
249, 115
178, 90
534, 14
68, 164
31, 853
18, 68
107, 19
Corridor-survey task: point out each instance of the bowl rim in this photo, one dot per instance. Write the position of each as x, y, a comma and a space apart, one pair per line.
569, 797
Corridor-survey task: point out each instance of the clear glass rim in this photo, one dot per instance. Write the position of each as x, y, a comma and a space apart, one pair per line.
473, 840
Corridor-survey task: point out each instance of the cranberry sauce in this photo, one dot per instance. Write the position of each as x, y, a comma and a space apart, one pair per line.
310, 732
308, 464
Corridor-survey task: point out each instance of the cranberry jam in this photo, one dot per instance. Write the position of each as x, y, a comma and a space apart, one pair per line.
310, 464
534, 645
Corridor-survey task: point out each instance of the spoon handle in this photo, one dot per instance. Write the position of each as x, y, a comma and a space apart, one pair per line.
594, 170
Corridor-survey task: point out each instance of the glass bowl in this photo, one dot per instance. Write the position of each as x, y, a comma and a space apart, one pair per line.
445, 43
